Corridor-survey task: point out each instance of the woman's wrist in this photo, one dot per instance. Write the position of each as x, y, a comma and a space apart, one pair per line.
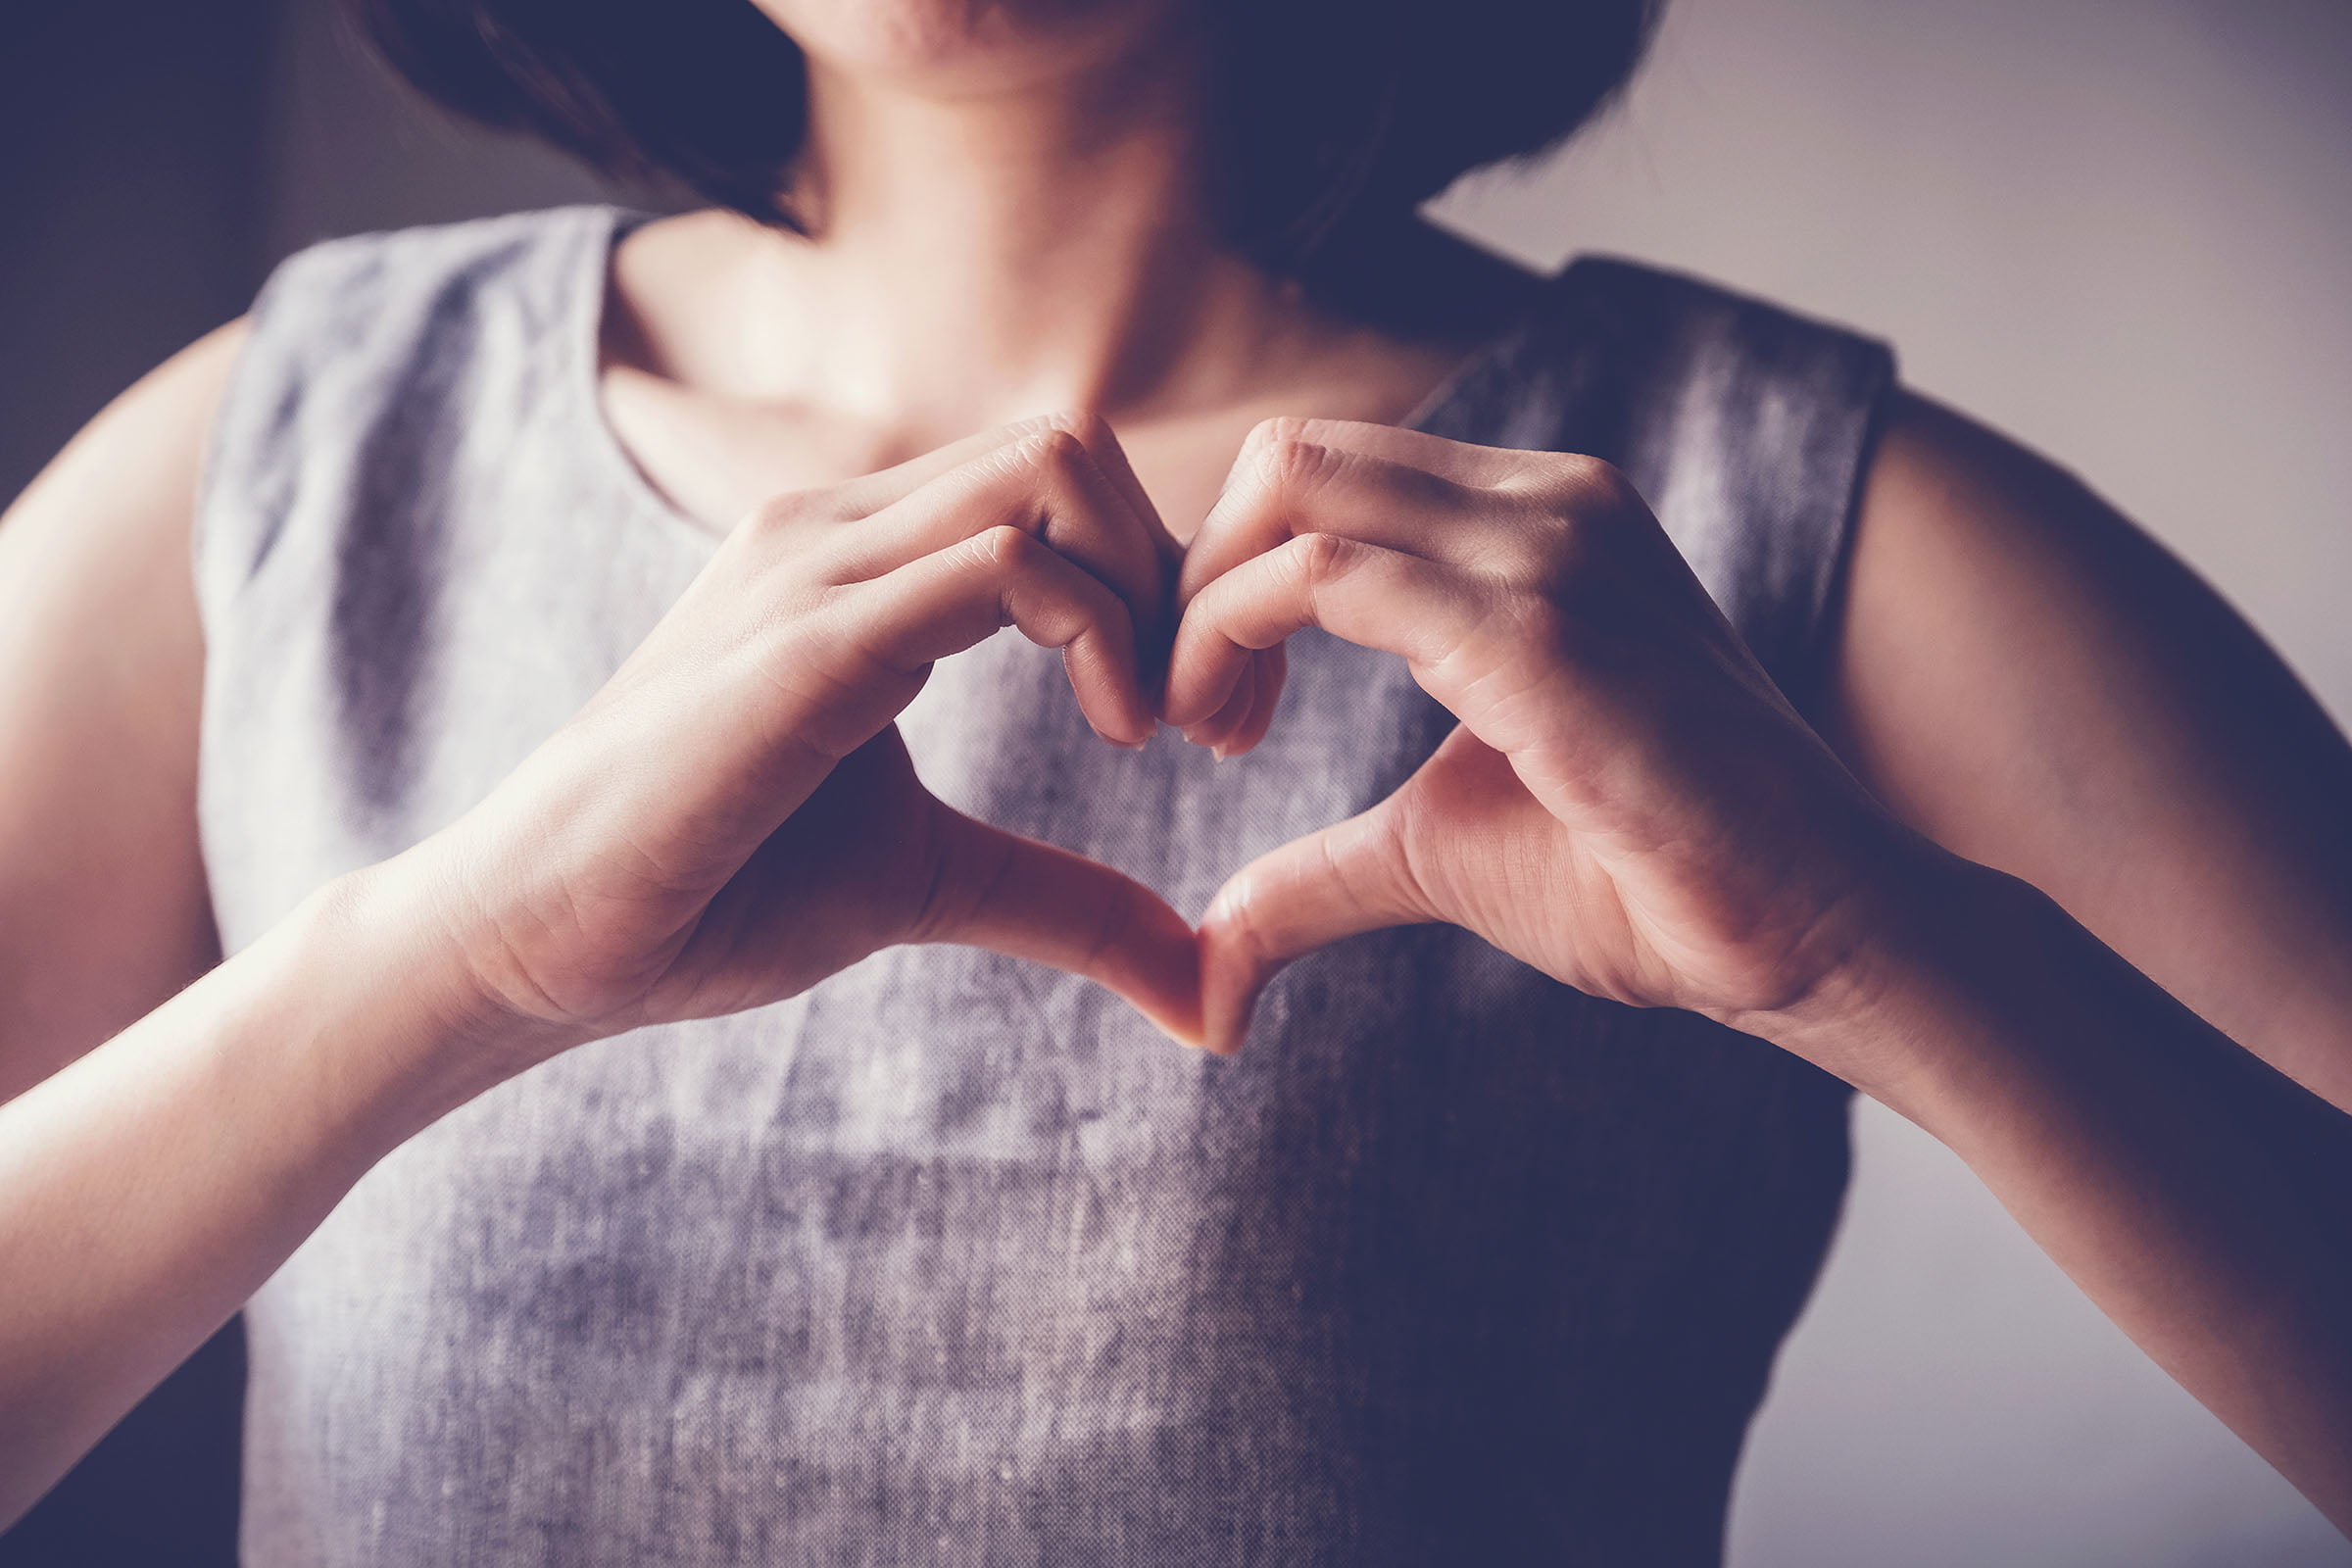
1909, 1014
149, 1187
372, 973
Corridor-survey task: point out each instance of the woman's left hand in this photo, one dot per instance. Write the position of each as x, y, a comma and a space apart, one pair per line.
1629, 803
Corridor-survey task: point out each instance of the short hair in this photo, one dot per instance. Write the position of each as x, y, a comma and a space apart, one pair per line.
1324, 110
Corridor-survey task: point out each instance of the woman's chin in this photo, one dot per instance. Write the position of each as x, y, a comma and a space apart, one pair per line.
960, 47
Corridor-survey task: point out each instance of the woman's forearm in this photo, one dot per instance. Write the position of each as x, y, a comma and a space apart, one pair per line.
149, 1187
2201, 1200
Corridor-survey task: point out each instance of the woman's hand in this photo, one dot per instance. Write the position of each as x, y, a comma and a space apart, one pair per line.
734, 816
1630, 803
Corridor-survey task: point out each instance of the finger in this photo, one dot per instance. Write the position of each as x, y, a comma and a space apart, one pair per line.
1104, 445
1269, 667
1375, 597
870, 493
1242, 722
1285, 486
1212, 731
1465, 463
951, 600
1047, 483
1348, 878
1031, 900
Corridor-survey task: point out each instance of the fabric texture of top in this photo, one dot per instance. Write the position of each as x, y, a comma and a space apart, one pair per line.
953, 1259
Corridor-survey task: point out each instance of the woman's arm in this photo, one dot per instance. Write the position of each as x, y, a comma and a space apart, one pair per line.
2199, 1198
150, 1187
1632, 806
2034, 683
103, 906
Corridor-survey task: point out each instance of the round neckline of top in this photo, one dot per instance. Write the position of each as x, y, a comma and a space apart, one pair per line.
592, 285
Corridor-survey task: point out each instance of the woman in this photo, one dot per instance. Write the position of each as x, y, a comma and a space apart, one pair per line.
685, 1159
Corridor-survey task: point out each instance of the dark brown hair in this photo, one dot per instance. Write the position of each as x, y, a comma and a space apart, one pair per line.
1326, 110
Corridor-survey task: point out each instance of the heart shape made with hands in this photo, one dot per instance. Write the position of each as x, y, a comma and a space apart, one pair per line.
1395, 540
1150, 631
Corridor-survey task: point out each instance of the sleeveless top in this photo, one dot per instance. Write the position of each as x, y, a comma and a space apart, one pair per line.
953, 1259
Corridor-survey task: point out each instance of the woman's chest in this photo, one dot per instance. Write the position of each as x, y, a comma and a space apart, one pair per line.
718, 458
997, 733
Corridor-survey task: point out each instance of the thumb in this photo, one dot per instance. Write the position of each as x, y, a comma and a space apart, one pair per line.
1348, 878
1027, 900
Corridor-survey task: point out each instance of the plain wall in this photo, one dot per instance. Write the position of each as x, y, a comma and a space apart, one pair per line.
2121, 229
131, 216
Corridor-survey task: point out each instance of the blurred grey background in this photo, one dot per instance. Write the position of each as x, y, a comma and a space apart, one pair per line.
2121, 229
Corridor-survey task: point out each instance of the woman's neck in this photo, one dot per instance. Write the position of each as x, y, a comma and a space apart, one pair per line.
981, 255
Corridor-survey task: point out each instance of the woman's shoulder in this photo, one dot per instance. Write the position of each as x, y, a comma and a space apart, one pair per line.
384, 364
1692, 339
104, 663
414, 325
1708, 392
379, 287
500, 241
1675, 379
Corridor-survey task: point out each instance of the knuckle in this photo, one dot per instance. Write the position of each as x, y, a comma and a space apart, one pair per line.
1308, 428
1324, 556
1083, 425
1054, 451
1017, 431
1568, 496
1292, 463
781, 514
1542, 547
1538, 622
1057, 460
1003, 547
1530, 632
1281, 427
1588, 486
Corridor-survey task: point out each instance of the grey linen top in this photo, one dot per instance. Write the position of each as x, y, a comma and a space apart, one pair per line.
953, 1259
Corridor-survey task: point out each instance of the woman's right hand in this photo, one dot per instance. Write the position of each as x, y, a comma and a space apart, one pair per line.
734, 818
